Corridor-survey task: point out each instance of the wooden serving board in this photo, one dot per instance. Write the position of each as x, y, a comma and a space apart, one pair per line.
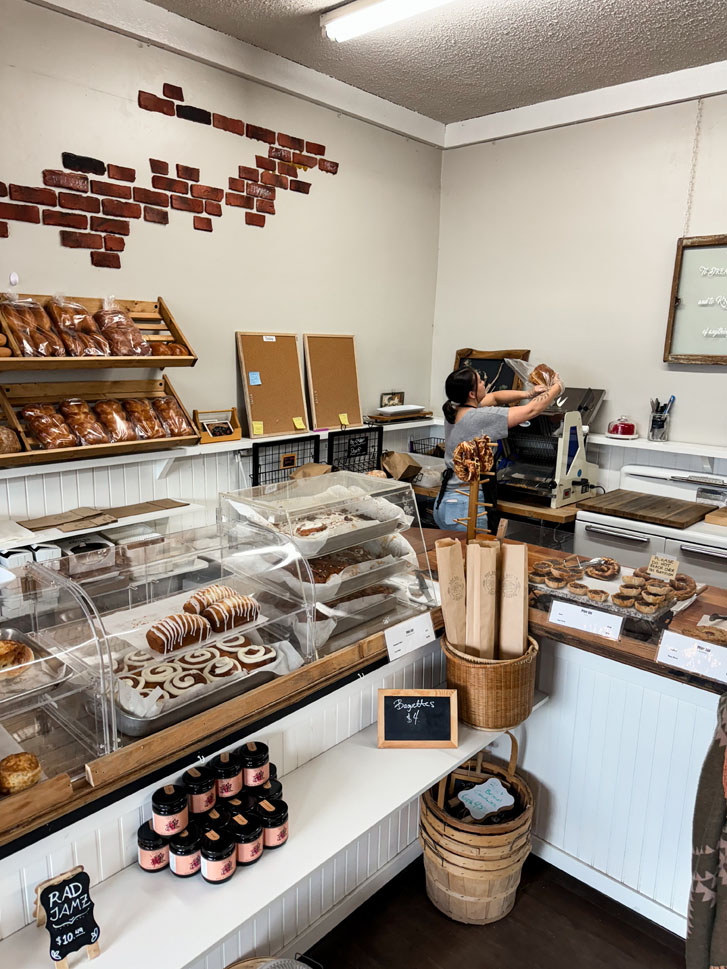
718, 517
385, 419
640, 507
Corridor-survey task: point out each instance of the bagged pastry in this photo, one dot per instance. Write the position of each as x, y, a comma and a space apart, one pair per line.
160, 349
77, 328
47, 426
82, 422
124, 336
115, 421
172, 416
31, 327
143, 416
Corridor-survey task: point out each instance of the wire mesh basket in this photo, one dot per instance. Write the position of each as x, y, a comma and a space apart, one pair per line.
432, 446
358, 449
274, 461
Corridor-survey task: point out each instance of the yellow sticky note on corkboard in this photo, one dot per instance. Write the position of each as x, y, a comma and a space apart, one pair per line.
343, 418
298, 423
257, 427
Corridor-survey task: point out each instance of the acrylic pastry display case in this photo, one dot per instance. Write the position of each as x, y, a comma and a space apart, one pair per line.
54, 682
353, 531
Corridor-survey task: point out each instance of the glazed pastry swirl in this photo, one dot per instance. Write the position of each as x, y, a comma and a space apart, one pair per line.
222, 668
160, 672
183, 681
199, 658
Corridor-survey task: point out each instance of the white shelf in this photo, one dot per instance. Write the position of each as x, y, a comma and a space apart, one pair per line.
333, 800
665, 447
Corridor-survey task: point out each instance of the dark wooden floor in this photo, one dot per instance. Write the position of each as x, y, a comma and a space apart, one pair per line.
557, 922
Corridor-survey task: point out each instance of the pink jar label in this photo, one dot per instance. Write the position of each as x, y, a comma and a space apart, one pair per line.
229, 786
167, 824
276, 836
250, 851
217, 871
201, 803
154, 860
255, 776
184, 864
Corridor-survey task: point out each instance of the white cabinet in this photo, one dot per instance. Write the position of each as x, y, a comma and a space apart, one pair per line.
623, 543
705, 563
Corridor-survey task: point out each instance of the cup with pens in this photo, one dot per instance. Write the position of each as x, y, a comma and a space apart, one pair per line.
659, 419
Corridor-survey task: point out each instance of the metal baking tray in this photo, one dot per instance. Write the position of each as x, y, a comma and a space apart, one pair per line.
607, 606
134, 726
39, 677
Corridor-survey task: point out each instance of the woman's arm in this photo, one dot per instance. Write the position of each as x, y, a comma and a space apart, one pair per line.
500, 397
526, 412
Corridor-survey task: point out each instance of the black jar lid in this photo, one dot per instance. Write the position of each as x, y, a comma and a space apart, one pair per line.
170, 799
270, 791
185, 842
216, 845
245, 801
214, 820
273, 771
225, 765
272, 813
198, 780
253, 753
244, 828
148, 839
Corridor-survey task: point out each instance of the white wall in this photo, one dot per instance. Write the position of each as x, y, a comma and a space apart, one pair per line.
563, 241
358, 255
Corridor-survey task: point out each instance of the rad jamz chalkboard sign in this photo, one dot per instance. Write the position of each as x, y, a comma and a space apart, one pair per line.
417, 718
65, 906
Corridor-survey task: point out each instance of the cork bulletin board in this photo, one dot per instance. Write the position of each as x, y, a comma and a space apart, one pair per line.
272, 383
330, 362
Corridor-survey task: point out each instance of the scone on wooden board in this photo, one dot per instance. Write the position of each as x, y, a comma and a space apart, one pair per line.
19, 772
15, 658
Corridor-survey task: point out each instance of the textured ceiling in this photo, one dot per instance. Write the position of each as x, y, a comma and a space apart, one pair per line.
477, 57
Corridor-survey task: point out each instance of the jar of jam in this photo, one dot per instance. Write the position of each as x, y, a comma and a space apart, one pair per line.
228, 771
271, 790
213, 820
184, 856
255, 759
247, 833
243, 802
274, 819
273, 771
201, 787
153, 849
219, 856
169, 811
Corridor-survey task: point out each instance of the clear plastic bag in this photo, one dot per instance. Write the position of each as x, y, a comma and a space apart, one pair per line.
77, 328
30, 326
524, 371
82, 421
47, 426
115, 421
123, 335
172, 416
143, 416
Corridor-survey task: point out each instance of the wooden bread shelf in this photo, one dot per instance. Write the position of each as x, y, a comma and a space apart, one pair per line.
13, 397
153, 319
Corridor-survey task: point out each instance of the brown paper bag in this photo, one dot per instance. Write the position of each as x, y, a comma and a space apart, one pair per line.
450, 566
513, 601
309, 471
401, 466
481, 599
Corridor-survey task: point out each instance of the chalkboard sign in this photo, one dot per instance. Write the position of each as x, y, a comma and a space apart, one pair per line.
417, 718
64, 905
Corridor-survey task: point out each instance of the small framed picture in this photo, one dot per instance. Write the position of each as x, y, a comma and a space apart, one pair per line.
288, 461
218, 429
392, 398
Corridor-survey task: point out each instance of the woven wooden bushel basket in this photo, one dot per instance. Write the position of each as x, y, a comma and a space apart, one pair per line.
492, 694
473, 870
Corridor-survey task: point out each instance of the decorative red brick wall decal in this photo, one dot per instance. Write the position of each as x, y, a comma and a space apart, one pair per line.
68, 193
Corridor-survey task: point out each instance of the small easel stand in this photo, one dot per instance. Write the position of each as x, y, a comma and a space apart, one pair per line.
39, 913
473, 512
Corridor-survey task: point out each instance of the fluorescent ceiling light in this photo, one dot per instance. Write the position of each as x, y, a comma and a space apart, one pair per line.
362, 16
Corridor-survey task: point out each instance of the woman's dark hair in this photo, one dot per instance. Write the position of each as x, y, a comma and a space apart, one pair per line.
458, 386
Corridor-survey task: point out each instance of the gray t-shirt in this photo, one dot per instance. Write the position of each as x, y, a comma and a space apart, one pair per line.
491, 421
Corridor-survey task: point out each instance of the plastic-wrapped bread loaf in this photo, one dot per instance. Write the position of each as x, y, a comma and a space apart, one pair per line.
47, 426
144, 418
31, 327
77, 329
124, 336
172, 416
115, 421
82, 421
160, 349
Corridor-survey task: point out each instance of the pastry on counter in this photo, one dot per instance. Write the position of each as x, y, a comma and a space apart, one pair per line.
198, 602
253, 656
683, 585
15, 658
174, 632
19, 772
604, 569
232, 611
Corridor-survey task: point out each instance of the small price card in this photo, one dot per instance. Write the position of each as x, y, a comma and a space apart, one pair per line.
487, 798
409, 635
298, 423
663, 567
343, 418
588, 620
693, 656
257, 427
